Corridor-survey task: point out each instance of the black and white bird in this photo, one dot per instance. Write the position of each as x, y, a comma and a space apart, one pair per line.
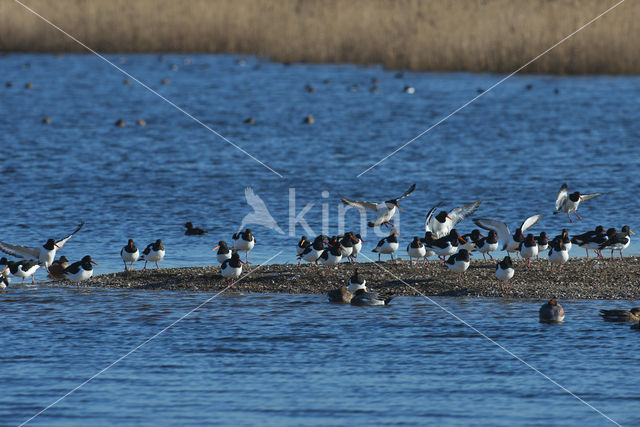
129, 254
356, 282
346, 243
24, 268
618, 241
384, 210
504, 272
488, 244
154, 252
231, 268
415, 249
426, 241
566, 240
543, 242
80, 270
388, 245
442, 223
568, 203
332, 255
558, 254
446, 245
357, 246
459, 263
224, 253
244, 241
302, 245
312, 252
472, 239
529, 248
510, 243
193, 231
551, 312
591, 240
44, 254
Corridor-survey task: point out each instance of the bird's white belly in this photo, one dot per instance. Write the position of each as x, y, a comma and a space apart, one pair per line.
447, 250
529, 251
155, 256
489, 247
388, 247
347, 251
46, 256
459, 266
81, 275
331, 259
356, 248
243, 245
222, 257
312, 256
558, 257
231, 272
571, 206
504, 274
130, 256
416, 252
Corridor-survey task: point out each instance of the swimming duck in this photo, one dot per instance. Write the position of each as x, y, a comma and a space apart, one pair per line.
56, 270
362, 297
551, 312
632, 315
193, 231
340, 295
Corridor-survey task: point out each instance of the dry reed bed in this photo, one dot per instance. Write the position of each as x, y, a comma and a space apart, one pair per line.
489, 35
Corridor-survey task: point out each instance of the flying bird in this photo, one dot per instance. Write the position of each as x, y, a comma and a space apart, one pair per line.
509, 243
45, 254
568, 203
442, 223
260, 215
384, 210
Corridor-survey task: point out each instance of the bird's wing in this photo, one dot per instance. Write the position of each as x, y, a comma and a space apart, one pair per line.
586, 197
458, 214
427, 220
361, 205
530, 222
62, 241
562, 196
409, 191
18, 251
498, 226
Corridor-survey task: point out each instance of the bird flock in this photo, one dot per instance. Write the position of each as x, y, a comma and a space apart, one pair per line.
441, 239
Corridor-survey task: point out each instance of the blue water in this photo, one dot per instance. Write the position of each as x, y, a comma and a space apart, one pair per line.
298, 360
291, 360
513, 147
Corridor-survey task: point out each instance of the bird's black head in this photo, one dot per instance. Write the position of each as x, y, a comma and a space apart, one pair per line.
222, 243
51, 244
4, 261
543, 235
442, 216
530, 238
506, 262
575, 196
599, 229
416, 239
130, 243
189, 225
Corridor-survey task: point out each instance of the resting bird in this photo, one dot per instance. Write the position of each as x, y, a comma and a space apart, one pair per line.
224, 253
504, 272
618, 241
509, 243
459, 262
591, 240
416, 249
632, 315
442, 224
56, 270
551, 312
558, 253
364, 297
193, 231
384, 210
45, 254
81, 270
340, 295
568, 203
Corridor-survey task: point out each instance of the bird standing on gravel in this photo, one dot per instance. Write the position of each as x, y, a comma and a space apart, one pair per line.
488, 244
459, 263
154, 252
504, 272
618, 241
224, 253
388, 245
129, 254
558, 253
244, 241
232, 268
415, 249
529, 249
80, 270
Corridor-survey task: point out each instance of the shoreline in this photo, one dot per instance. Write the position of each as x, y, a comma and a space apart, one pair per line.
579, 279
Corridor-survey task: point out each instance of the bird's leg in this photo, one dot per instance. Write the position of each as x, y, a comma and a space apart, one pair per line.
379, 257
569, 215
491, 256
157, 266
131, 268
125, 265
587, 252
621, 255
23, 280
33, 277
579, 217
484, 256
145, 265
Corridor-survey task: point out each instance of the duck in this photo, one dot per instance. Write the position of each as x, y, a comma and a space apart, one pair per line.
504, 272
459, 263
388, 245
340, 295
154, 252
415, 249
551, 312
529, 248
244, 241
129, 254
80, 270
364, 298
632, 315
193, 231
224, 253
56, 269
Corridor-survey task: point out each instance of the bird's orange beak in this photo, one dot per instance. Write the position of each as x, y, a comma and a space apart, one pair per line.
632, 232
362, 240
215, 248
341, 247
93, 262
581, 198
449, 217
398, 233
56, 245
242, 261
482, 234
461, 239
161, 247
5, 269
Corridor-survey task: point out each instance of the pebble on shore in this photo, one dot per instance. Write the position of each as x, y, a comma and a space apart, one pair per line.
579, 279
